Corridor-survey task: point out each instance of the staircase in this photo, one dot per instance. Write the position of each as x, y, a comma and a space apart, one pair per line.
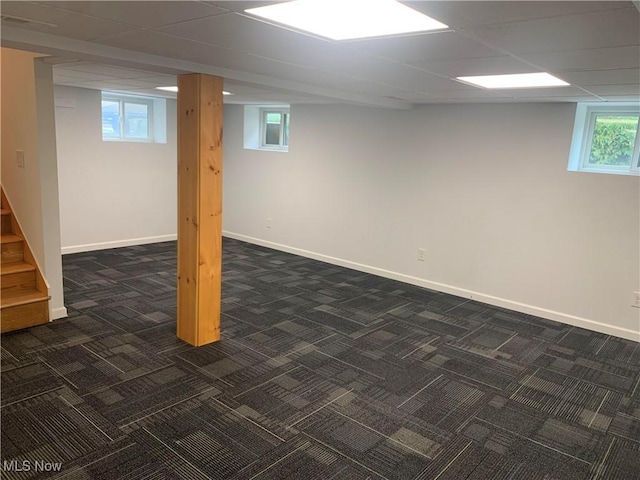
24, 298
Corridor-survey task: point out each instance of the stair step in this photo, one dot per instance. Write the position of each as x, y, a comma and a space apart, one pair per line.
26, 313
22, 297
16, 267
18, 281
4, 211
5, 225
9, 238
11, 250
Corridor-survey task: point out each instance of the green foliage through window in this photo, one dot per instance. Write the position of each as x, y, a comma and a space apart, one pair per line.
613, 140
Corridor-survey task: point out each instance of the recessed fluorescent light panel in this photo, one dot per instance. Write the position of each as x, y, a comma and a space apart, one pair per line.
175, 89
348, 19
518, 80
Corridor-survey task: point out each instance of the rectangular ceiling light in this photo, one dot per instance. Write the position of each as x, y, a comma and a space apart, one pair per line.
348, 19
517, 80
175, 89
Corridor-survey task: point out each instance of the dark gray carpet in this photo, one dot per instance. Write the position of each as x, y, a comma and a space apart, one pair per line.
322, 373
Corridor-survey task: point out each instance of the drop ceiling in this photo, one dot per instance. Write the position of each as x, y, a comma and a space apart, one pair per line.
136, 46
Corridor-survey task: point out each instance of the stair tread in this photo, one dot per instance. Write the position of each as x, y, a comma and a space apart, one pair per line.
16, 267
22, 297
4, 211
10, 238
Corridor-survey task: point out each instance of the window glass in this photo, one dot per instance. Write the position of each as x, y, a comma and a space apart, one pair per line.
136, 120
606, 139
613, 139
110, 119
273, 129
131, 118
273, 117
285, 134
266, 127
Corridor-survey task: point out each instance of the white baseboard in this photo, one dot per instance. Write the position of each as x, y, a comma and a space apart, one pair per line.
440, 287
117, 243
57, 313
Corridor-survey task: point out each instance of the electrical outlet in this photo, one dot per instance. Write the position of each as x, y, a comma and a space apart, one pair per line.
635, 301
421, 254
20, 158
269, 222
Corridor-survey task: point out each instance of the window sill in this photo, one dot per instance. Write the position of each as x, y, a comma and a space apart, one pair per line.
628, 173
268, 149
128, 140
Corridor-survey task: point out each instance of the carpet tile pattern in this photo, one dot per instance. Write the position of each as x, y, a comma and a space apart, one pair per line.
322, 373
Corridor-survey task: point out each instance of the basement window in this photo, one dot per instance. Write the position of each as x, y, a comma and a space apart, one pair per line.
132, 118
606, 139
275, 128
267, 128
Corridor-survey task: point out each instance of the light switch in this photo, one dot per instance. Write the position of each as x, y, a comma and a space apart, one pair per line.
20, 158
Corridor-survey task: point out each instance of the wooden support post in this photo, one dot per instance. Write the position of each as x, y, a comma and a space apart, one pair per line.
200, 113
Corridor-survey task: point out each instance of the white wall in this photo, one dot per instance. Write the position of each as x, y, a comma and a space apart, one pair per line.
112, 194
27, 125
49, 187
483, 188
20, 132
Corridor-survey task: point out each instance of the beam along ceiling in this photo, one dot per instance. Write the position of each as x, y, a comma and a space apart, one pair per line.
136, 46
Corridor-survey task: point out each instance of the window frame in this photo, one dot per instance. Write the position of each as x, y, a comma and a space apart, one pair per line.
122, 100
285, 120
582, 140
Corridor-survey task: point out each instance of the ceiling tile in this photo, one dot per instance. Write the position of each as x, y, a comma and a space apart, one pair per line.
455, 100
246, 35
99, 85
238, 32
243, 89
413, 97
132, 83
439, 84
67, 24
425, 47
240, 5
591, 59
78, 74
549, 92
62, 80
161, 44
470, 93
562, 99
120, 89
272, 68
372, 88
608, 90
159, 80
283, 97
620, 27
407, 78
475, 13
345, 65
603, 77
104, 70
142, 14
477, 66
621, 98
148, 41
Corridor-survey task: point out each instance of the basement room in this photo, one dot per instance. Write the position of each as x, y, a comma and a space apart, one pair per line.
320, 239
